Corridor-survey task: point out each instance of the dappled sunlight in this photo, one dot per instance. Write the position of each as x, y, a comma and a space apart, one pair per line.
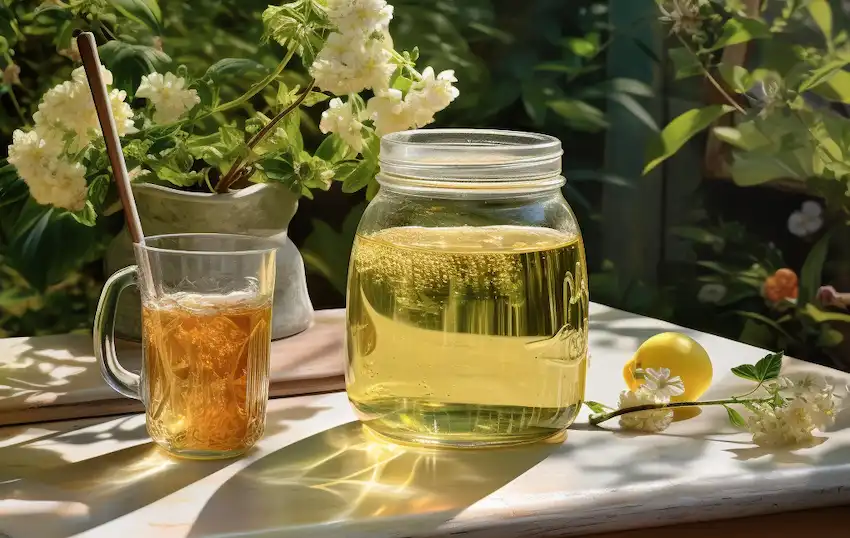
50, 371
345, 474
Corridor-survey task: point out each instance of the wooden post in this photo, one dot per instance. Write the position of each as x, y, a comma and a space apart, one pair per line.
633, 219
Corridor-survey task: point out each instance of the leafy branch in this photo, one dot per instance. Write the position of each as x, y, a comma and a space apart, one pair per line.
237, 171
766, 369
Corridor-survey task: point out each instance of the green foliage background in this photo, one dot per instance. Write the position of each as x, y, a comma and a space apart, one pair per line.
517, 65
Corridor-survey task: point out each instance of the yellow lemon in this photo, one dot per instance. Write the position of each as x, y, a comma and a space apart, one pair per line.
681, 354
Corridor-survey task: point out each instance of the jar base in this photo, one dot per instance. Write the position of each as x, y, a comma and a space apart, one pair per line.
464, 442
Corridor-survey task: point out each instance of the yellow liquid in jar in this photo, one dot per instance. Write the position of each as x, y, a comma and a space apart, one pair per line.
467, 336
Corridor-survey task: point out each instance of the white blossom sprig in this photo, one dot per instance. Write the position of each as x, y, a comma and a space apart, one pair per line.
785, 412
47, 156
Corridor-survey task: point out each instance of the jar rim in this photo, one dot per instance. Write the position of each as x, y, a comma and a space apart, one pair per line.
471, 159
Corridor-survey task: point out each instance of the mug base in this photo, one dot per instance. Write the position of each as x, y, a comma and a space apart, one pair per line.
205, 454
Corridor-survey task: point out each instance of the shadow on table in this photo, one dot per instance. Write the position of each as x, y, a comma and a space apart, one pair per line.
80, 496
608, 326
72, 497
345, 475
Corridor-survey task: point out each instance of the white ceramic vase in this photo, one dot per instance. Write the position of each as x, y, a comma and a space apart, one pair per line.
261, 210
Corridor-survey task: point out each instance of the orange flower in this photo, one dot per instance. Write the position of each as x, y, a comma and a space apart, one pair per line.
781, 285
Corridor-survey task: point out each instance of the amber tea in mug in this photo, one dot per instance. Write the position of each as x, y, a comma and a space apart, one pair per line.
206, 334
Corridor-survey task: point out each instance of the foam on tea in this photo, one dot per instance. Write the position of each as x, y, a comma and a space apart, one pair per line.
206, 366
467, 333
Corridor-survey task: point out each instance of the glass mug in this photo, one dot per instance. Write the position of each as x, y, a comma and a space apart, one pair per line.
206, 338
467, 292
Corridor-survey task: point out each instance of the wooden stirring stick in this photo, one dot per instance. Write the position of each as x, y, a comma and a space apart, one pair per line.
91, 63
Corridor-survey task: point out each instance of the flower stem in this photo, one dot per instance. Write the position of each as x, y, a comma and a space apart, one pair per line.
600, 418
17, 106
257, 88
234, 174
711, 78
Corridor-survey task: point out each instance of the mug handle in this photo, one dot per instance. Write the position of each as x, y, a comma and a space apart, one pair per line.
122, 380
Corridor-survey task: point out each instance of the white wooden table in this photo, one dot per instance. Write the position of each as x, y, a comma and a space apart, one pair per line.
316, 474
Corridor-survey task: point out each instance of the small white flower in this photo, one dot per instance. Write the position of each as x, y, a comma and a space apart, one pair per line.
780, 383
69, 108
29, 151
122, 112
660, 383
78, 75
431, 94
348, 64
818, 397
63, 184
50, 178
360, 16
168, 95
807, 220
782, 426
647, 421
711, 293
389, 112
341, 119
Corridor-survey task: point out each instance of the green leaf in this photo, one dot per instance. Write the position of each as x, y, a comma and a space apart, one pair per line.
829, 337
836, 87
766, 320
145, 12
746, 371
579, 114
584, 47
821, 316
769, 367
314, 98
129, 62
752, 169
822, 74
46, 244
372, 189
680, 130
735, 417
741, 30
239, 69
821, 12
359, 177
596, 407
757, 334
333, 149
746, 136
636, 109
685, 63
738, 78
810, 274
764, 370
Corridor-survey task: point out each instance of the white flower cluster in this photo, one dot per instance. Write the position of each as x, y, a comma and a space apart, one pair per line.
807, 221
812, 405
658, 387
168, 95
66, 120
357, 58
431, 94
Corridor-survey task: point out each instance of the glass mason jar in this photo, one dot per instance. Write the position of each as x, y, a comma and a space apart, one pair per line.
467, 292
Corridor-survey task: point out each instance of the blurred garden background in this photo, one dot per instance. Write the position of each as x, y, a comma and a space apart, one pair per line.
733, 220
